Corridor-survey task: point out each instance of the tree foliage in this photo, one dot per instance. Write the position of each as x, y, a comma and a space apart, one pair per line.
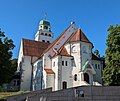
6, 68
111, 73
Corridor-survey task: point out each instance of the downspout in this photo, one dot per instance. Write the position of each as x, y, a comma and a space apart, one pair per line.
31, 75
53, 88
61, 75
82, 74
42, 74
70, 48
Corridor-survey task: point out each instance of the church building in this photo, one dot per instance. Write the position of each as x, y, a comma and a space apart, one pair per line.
62, 63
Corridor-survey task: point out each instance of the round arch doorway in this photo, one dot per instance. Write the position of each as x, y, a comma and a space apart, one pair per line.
86, 77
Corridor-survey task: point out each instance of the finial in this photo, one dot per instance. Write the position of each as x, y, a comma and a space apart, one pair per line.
72, 22
45, 15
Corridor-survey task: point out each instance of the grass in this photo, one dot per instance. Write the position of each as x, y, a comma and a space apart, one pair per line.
4, 95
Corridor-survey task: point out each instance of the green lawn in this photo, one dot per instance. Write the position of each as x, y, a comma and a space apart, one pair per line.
3, 95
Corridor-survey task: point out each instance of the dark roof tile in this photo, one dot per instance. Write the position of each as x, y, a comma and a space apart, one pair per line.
79, 36
94, 57
33, 48
49, 71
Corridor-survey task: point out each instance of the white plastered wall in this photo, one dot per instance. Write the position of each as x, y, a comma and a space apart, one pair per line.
98, 75
26, 75
74, 49
50, 81
66, 72
86, 55
39, 37
20, 56
55, 69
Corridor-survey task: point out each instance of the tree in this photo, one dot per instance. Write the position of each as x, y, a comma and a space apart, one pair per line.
96, 52
111, 73
6, 47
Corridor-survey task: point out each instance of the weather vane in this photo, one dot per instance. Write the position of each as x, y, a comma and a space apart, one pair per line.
45, 15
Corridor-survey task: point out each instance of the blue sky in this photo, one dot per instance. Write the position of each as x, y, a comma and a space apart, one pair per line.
20, 18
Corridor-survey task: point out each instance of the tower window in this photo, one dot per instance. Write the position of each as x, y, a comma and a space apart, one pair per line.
48, 41
45, 34
42, 33
43, 40
41, 26
50, 35
45, 27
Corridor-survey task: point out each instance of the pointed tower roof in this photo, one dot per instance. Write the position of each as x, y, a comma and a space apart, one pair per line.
79, 36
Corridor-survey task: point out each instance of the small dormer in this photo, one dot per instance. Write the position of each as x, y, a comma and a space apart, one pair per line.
44, 33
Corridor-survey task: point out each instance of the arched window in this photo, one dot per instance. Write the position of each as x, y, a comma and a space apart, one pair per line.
42, 33
43, 40
48, 41
75, 77
50, 35
86, 77
45, 27
73, 48
45, 34
64, 84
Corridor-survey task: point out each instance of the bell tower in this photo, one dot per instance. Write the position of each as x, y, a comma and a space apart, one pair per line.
44, 33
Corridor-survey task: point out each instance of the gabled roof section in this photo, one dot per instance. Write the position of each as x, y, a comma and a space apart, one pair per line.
94, 57
49, 71
79, 36
33, 48
63, 52
76, 36
55, 41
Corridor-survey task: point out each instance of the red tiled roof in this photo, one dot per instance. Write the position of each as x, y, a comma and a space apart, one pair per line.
79, 36
33, 48
49, 71
63, 52
94, 57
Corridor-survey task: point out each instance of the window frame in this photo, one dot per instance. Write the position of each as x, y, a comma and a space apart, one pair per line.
66, 63
62, 63
95, 66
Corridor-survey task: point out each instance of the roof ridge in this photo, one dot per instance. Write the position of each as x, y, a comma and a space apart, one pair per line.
72, 35
65, 43
53, 43
33, 40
